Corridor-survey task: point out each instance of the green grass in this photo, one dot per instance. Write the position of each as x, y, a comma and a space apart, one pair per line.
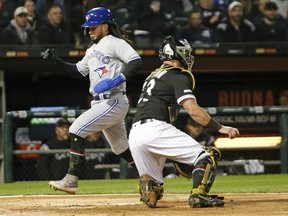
274, 183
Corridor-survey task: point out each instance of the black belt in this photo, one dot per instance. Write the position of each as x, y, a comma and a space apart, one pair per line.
143, 121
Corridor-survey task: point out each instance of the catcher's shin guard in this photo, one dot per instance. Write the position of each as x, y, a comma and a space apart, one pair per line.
209, 167
150, 191
203, 175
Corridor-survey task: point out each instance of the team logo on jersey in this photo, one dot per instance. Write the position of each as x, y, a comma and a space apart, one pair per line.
101, 71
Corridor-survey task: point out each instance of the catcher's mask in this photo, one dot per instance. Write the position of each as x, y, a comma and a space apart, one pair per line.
181, 51
98, 16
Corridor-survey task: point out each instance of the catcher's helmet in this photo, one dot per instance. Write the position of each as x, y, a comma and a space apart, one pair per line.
98, 16
181, 51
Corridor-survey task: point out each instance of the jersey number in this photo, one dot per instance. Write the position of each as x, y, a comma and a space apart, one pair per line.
147, 90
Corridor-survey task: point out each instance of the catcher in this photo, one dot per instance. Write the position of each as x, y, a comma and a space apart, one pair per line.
153, 138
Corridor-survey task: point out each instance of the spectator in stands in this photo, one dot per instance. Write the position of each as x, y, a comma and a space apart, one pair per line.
3, 17
43, 6
114, 6
19, 31
148, 22
51, 166
211, 15
249, 8
283, 98
94, 141
235, 28
282, 7
177, 7
77, 18
259, 11
195, 32
53, 30
8, 9
271, 27
33, 18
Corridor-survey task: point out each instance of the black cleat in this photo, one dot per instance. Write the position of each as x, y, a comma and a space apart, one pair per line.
201, 201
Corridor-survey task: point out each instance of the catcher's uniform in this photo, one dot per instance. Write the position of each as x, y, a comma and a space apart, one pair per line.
153, 138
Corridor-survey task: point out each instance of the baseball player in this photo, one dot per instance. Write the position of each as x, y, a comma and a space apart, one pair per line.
153, 138
108, 62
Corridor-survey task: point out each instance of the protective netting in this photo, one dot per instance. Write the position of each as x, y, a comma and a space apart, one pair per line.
256, 151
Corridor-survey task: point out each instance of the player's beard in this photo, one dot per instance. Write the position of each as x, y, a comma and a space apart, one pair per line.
96, 39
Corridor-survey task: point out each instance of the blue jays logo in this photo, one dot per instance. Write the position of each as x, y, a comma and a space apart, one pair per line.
101, 71
88, 17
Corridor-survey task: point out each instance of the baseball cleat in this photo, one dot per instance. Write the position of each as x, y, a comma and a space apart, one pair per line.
149, 196
68, 184
215, 196
200, 201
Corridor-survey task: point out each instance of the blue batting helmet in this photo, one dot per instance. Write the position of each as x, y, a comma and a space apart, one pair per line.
98, 16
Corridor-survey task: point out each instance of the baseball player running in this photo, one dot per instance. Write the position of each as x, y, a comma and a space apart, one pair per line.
108, 62
153, 138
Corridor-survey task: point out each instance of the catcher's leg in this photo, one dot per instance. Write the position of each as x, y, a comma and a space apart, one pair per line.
150, 191
203, 175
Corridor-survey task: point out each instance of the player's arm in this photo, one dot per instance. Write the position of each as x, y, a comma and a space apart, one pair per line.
69, 68
127, 73
131, 68
202, 117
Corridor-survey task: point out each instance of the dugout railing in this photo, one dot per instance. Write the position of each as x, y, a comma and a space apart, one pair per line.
263, 137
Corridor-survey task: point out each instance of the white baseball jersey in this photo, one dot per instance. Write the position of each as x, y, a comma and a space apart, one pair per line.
106, 59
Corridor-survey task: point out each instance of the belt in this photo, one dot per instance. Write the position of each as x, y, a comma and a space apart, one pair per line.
103, 96
143, 121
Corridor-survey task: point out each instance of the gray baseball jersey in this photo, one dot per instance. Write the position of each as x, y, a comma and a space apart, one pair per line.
104, 60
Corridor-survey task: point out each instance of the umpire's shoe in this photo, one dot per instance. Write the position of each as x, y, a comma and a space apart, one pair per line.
150, 191
200, 201
68, 184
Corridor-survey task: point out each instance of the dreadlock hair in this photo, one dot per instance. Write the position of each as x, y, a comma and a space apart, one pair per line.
119, 32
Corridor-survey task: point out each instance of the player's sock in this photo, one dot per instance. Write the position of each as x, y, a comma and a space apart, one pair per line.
76, 154
126, 155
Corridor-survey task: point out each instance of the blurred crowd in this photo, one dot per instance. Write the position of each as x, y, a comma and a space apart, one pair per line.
33, 22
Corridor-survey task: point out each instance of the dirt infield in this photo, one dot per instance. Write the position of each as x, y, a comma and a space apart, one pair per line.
128, 205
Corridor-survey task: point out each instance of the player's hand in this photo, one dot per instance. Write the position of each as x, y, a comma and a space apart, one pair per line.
109, 83
230, 131
51, 55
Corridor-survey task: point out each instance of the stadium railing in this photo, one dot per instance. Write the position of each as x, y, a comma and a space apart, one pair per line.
263, 138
